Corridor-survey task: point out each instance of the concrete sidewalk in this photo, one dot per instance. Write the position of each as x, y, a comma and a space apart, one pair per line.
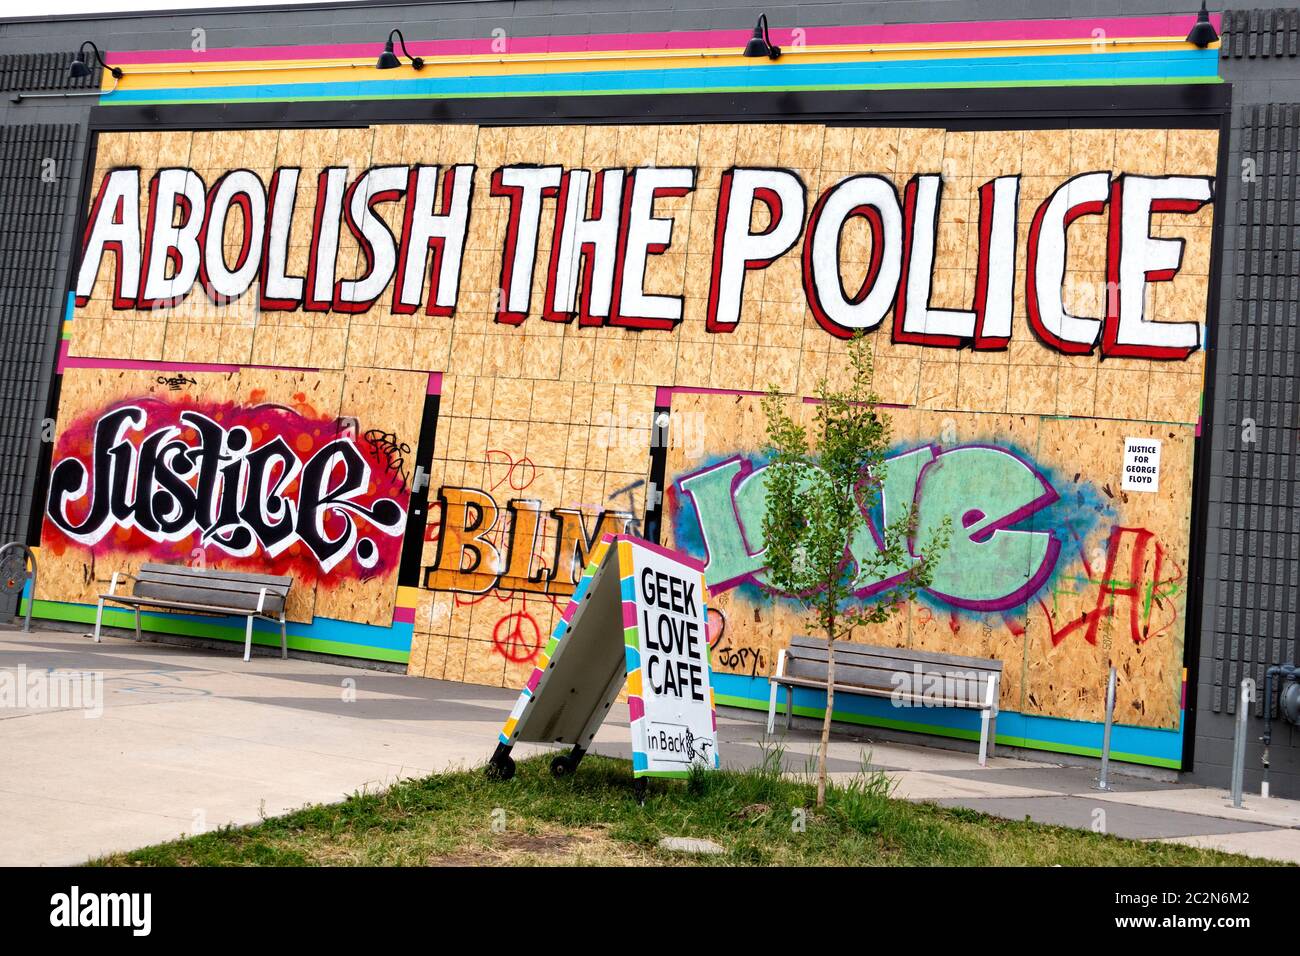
191, 739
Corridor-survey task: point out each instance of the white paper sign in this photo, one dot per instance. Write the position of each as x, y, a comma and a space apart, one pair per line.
1141, 465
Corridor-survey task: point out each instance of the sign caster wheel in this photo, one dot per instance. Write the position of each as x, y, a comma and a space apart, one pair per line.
563, 766
566, 765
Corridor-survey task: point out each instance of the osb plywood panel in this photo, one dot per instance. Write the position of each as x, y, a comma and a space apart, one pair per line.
547, 415
385, 409
323, 401
543, 446
776, 338
1114, 593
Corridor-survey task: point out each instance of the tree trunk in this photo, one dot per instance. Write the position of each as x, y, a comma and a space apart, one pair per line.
826, 720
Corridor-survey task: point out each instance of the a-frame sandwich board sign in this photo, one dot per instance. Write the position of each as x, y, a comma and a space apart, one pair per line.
638, 616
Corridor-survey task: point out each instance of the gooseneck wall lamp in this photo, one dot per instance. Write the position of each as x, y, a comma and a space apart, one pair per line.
760, 44
388, 60
79, 68
1203, 32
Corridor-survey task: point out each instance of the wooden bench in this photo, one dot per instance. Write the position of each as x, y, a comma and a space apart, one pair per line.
911, 677
203, 591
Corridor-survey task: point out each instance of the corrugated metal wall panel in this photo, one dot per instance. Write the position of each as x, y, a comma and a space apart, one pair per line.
38, 168
1259, 588
1257, 34
34, 72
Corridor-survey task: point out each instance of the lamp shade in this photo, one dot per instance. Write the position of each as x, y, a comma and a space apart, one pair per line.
756, 46
388, 59
1203, 32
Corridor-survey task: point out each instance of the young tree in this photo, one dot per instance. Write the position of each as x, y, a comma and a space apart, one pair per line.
821, 484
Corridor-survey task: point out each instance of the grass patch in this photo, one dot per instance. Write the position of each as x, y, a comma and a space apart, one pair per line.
757, 815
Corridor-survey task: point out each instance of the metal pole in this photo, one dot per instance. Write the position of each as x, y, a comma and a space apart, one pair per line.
1239, 740
31, 599
1102, 783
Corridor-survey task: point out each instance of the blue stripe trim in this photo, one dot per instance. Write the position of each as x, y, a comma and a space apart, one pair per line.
1014, 729
1010, 71
395, 638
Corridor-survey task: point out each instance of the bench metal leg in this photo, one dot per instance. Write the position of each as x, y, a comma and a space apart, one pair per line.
248, 639
789, 706
99, 618
284, 641
989, 718
137, 622
771, 708
993, 733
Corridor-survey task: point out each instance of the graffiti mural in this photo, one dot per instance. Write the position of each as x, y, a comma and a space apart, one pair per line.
986, 492
252, 483
261, 470
1036, 300
1041, 558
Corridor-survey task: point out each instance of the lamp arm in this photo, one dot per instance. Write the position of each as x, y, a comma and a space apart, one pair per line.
116, 71
417, 62
402, 40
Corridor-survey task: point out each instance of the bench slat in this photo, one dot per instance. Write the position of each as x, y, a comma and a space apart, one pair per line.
891, 664
209, 581
930, 700
198, 594
884, 679
180, 605
811, 647
279, 580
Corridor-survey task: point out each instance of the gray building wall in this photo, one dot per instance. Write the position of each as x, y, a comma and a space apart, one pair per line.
1252, 525
1252, 569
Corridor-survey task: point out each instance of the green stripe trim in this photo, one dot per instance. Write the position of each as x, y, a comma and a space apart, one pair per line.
210, 630
672, 774
660, 91
953, 732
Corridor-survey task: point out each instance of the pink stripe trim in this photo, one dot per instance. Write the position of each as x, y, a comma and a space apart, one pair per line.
677, 556
149, 366
635, 708
435, 384
403, 615
701, 390
629, 614
1114, 27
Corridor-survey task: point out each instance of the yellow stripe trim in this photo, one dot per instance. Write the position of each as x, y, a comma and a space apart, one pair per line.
236, 73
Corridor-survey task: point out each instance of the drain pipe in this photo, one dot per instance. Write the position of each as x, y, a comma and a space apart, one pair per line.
1286, 672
